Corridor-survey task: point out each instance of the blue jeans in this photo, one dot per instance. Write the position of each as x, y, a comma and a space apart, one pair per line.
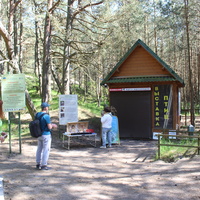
43, 149
106, 135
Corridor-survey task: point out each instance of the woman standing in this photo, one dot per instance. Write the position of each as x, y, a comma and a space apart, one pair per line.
106, 121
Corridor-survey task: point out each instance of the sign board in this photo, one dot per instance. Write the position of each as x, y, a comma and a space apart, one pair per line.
129, 89
172, 132
115, 131
13, 92
155, 137
68, 109
163, 116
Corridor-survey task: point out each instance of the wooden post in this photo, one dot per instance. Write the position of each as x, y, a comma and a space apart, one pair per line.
158, 146
9, 128
20, 139
185, 118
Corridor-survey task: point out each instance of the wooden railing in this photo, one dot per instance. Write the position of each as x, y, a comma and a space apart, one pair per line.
177, 145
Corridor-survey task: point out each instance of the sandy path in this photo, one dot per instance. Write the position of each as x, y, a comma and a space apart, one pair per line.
85, 173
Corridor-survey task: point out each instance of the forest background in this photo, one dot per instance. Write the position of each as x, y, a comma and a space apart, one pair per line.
69, 46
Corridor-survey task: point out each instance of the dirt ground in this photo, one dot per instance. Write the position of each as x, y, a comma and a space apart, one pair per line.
126, 171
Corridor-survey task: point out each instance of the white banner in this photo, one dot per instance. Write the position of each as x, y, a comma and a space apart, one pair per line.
68, 109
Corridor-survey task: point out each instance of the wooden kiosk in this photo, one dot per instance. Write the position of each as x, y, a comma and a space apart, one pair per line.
145, 92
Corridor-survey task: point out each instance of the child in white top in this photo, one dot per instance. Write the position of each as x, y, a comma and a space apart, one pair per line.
106, 121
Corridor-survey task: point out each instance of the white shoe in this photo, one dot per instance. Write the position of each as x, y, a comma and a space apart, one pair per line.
109, 146
102, 147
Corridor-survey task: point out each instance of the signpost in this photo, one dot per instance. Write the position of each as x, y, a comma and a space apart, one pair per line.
115, 130
13, 97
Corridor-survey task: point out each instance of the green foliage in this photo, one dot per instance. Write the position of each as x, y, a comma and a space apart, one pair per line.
77, 90
4, 125
14, 132
172, 153
54, 104
92, 106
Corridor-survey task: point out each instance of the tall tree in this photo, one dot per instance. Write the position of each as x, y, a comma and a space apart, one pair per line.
78, 36
10, 58
46, 54
192, 111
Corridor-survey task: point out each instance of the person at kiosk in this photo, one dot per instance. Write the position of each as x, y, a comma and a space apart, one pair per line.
44, 141
106, 121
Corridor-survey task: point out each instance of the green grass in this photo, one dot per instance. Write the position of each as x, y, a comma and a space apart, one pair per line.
171, 154
91, 106
85, 101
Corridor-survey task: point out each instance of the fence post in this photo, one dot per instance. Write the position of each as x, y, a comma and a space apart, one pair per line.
185, 117
158, 146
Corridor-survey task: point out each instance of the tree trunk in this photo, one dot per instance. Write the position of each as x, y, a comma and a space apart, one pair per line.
30, 105
20, 41
154, 28
46, 55
198, 78
13, 64
66, 61
192, 112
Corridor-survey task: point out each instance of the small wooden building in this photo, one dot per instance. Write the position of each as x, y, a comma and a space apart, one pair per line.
145, 92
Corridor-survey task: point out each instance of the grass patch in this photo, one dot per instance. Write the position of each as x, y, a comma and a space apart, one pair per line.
92, 106
173, 153
14, 129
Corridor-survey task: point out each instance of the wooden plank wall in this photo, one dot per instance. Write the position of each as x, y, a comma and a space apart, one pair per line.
140, 63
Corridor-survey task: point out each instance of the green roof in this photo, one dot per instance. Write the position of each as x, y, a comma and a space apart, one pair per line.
141, 79
174, 77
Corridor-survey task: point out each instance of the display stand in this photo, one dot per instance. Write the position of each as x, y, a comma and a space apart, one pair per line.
89, 138
77, 132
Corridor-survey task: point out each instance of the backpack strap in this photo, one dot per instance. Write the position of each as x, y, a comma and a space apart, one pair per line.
40, 116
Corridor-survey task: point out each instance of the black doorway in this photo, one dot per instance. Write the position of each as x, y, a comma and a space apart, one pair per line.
134, 113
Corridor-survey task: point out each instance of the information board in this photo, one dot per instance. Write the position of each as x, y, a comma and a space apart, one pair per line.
115, 131
13, 92
68, 109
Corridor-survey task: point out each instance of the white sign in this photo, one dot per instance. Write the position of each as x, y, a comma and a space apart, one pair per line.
172, 132
13, 92
155, 137
129, 89
68, 109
